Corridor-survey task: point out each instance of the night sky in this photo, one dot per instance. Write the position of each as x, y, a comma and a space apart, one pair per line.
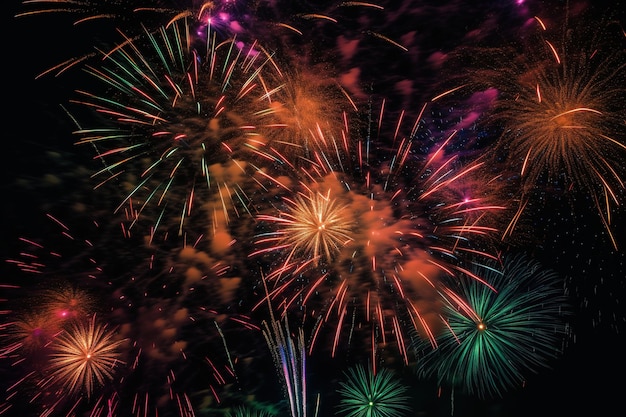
186, 311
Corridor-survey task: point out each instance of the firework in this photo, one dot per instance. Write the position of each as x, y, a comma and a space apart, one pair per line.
289, 356
315, 227
240, 147
362, 238
277, 23
368, 394
68, 303
559, 106
317, 113
495, 337
182, 124
29, 333
85, 355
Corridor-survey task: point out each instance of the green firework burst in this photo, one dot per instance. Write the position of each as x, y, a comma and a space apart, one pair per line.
494, 338
368, 394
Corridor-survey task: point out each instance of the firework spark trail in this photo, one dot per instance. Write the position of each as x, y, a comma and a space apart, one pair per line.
228, 18
174, 314
289, 355
48, 341
86, 10
290, 360
101, 12
363, 237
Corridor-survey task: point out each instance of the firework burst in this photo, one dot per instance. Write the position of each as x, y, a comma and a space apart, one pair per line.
29, 333
315, 227
366, 239
559, 106
182, 124
316, 111
495, 337
368, 394
84, 356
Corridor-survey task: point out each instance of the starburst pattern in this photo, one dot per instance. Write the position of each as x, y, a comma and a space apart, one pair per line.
84, 355
316, 226
558, 106
495, 337
390, 242
368, 394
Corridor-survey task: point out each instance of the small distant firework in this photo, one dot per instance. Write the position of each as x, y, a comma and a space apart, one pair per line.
84, 356
29, 333
68, 303
367, 394
494, 337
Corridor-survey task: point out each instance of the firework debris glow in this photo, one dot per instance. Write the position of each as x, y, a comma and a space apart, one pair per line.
300, 208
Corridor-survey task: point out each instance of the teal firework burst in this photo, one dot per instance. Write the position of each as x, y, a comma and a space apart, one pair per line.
493, 338
365, 393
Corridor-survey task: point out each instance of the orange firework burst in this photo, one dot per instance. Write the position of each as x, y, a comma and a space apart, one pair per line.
84, 355
561, 111
315, 110
316, 227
